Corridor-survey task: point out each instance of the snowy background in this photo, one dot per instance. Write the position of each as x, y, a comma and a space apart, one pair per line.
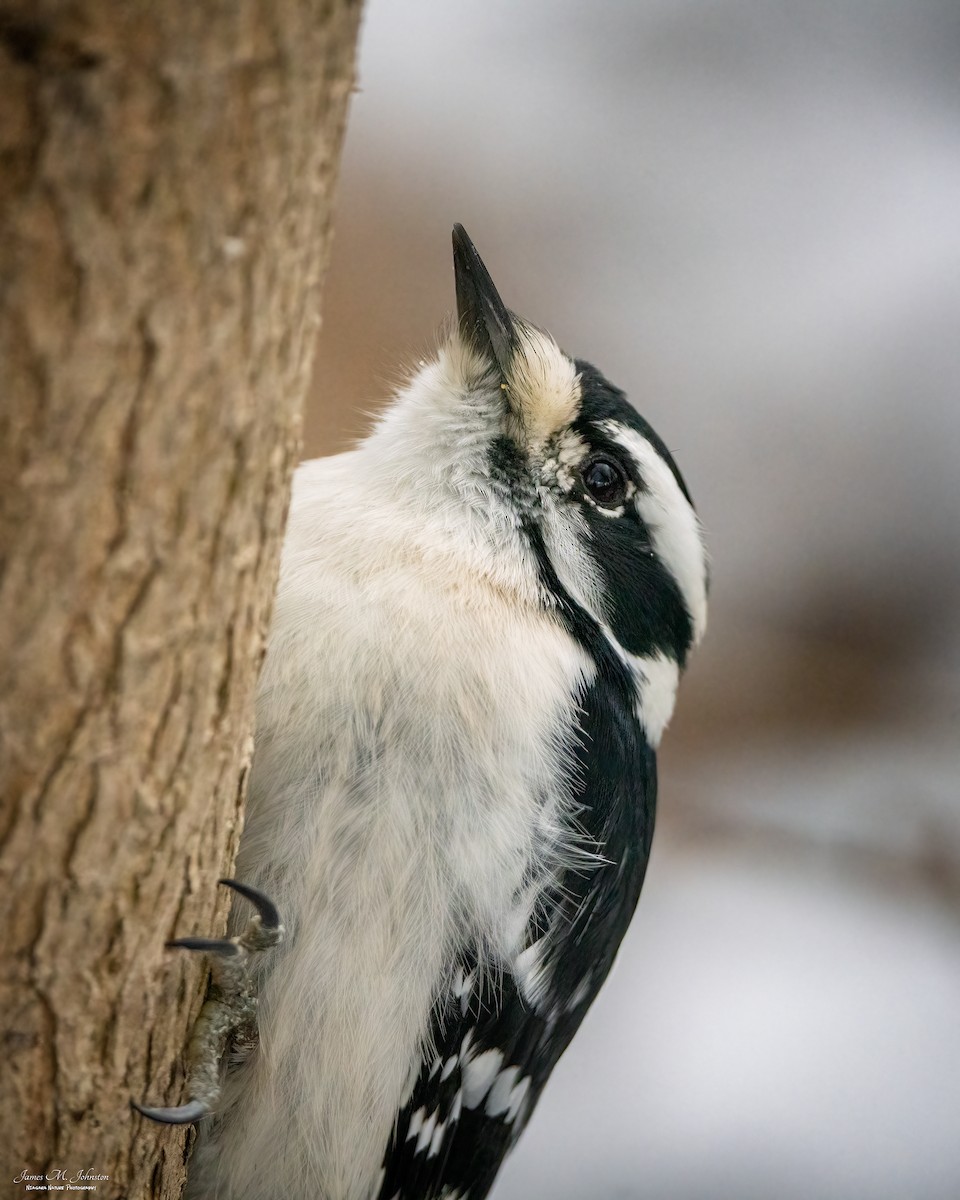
747, 214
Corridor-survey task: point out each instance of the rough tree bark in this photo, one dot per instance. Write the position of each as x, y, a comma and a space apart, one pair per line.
165, 188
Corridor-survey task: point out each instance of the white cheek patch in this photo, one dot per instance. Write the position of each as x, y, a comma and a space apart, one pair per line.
566, 533
673, 525
566, 537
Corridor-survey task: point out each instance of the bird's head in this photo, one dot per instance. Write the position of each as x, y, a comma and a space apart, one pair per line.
542, 466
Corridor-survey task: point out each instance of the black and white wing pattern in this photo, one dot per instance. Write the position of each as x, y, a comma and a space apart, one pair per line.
496, 1041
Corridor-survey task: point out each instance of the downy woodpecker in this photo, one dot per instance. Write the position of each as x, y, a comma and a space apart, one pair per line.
482, 615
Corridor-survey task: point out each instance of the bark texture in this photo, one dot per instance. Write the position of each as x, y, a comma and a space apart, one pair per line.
166, 171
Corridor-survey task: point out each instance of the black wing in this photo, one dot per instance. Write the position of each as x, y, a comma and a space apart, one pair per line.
497, 1041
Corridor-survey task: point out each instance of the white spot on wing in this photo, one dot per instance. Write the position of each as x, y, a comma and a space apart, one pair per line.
499, 1099
437, 1140
426, 1133
416, 1123
478, 1075
517, 1097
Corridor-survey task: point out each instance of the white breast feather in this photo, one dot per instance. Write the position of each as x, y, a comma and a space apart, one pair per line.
387, 830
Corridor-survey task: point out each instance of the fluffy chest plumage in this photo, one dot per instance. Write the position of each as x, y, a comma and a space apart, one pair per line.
411, 697
409, 800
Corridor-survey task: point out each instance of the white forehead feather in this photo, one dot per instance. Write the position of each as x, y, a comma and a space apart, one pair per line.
672, 523
543, 388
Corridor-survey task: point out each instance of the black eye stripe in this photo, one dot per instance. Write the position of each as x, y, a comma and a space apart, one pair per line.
601, 401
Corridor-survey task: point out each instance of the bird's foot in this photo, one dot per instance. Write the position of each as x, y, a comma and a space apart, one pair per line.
230, 1011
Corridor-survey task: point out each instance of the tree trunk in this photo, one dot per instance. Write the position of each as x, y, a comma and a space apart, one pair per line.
166, 170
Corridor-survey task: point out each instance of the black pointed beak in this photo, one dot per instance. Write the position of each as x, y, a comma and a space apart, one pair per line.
484, 318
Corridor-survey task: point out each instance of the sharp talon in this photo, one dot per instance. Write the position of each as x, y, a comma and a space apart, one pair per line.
228, 1018
183, 1114
269, 913
223, 946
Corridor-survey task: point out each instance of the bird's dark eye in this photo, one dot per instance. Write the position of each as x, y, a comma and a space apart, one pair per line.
606, 481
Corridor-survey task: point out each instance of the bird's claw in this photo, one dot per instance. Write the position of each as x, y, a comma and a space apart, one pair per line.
183, 1114
230, 1007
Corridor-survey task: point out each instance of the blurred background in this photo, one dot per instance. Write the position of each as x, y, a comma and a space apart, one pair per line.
747, 213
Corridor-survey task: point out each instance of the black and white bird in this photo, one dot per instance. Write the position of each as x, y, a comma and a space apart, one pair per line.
482, 616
